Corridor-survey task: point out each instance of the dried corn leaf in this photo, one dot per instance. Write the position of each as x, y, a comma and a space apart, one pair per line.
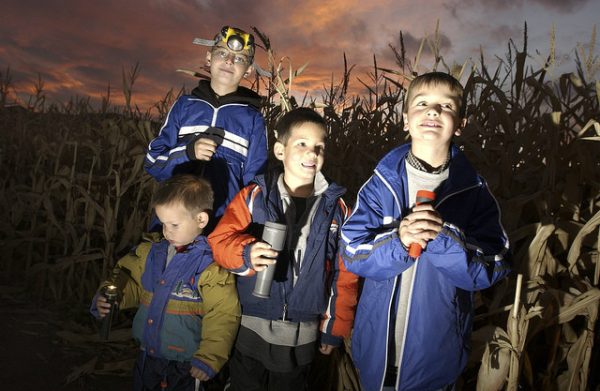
495, 362
82, 370
579, 305
575, 377
575, 249
122, 367
536, 254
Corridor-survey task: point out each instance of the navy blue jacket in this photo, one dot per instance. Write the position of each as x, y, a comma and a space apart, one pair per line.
324, 290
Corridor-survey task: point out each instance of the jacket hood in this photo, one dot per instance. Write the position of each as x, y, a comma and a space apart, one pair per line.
241, 95
269, 180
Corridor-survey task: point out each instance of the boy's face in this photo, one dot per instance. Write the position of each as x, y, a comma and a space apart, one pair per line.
303, 154
433, 115
180, 227
227, 67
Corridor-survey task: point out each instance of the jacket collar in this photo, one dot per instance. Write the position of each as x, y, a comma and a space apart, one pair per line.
241, 95
461, 176
268, 184
329, 189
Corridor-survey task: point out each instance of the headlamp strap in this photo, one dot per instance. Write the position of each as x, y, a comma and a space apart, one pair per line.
205, 42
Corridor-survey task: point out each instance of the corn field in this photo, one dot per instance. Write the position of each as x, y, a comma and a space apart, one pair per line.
75, 194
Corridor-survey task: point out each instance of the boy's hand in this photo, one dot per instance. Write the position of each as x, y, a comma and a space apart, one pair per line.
326, 349
198, 374
102, 306
262, 255
422, 225
204, 149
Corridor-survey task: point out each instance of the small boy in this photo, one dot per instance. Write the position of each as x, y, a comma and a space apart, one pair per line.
188, 312
414, 317
217, 132
312, 297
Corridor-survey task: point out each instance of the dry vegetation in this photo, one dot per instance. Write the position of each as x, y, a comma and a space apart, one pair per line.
75, 195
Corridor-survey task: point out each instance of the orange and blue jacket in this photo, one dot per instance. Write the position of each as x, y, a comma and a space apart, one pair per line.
324, 290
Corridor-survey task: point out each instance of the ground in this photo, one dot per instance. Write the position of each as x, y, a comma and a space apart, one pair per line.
46, 347
51, 347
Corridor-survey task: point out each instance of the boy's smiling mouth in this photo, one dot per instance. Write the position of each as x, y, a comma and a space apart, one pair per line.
431, 124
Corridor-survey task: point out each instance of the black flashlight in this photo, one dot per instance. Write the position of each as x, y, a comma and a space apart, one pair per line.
110, 293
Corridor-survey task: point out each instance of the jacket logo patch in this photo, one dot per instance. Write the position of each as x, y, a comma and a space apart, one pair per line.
185, 291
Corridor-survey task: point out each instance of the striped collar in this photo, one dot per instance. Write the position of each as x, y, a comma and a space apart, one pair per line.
423, 166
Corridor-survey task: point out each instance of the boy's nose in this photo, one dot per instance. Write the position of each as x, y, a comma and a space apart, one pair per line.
313, 152
434, 109
230, 58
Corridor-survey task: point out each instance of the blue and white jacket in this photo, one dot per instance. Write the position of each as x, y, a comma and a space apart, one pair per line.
469, 254
234, 121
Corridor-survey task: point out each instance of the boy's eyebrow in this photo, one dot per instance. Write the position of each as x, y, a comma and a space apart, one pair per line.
425, 94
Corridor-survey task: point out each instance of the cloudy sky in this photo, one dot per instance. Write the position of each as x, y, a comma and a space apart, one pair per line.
80, 47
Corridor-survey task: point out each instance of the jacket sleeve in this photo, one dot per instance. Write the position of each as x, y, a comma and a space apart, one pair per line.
338, 318
256, 161
229, 240
167, 151
127, 276
370, 245
221, 319
476, 256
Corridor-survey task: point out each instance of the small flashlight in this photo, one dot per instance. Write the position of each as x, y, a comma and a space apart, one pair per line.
110, 293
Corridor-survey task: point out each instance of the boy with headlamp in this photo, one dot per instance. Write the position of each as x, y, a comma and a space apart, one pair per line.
218, 131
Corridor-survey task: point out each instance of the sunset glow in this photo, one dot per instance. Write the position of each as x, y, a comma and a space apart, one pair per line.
82, 48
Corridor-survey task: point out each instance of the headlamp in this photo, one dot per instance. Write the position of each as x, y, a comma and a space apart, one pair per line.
237, 40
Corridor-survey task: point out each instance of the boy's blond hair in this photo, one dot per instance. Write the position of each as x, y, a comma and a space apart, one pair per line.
194, 193
435, 79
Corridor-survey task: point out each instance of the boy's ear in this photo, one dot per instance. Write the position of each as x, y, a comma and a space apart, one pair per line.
279, 150
249, 70
461, 126
202, 219
405, 121
208, 57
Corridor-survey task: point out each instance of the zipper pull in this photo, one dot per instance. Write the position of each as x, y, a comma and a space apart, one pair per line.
284, 311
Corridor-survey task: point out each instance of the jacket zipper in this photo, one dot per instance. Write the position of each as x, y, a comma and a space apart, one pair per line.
284, 315
410, 298
457, 192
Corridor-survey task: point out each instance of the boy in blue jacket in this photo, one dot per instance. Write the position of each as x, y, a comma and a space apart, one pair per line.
217, 132
188, 310
312, 297
414, 317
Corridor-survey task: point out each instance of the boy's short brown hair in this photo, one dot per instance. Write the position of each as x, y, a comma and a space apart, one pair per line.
433, 79
194, 193
296, 117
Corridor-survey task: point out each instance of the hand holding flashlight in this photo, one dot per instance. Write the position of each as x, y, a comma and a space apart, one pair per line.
422, 225
110, 308
273, 234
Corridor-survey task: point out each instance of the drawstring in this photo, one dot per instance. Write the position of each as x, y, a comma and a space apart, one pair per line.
296, 263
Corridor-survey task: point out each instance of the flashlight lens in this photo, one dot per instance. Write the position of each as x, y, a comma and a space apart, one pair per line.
235, 43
